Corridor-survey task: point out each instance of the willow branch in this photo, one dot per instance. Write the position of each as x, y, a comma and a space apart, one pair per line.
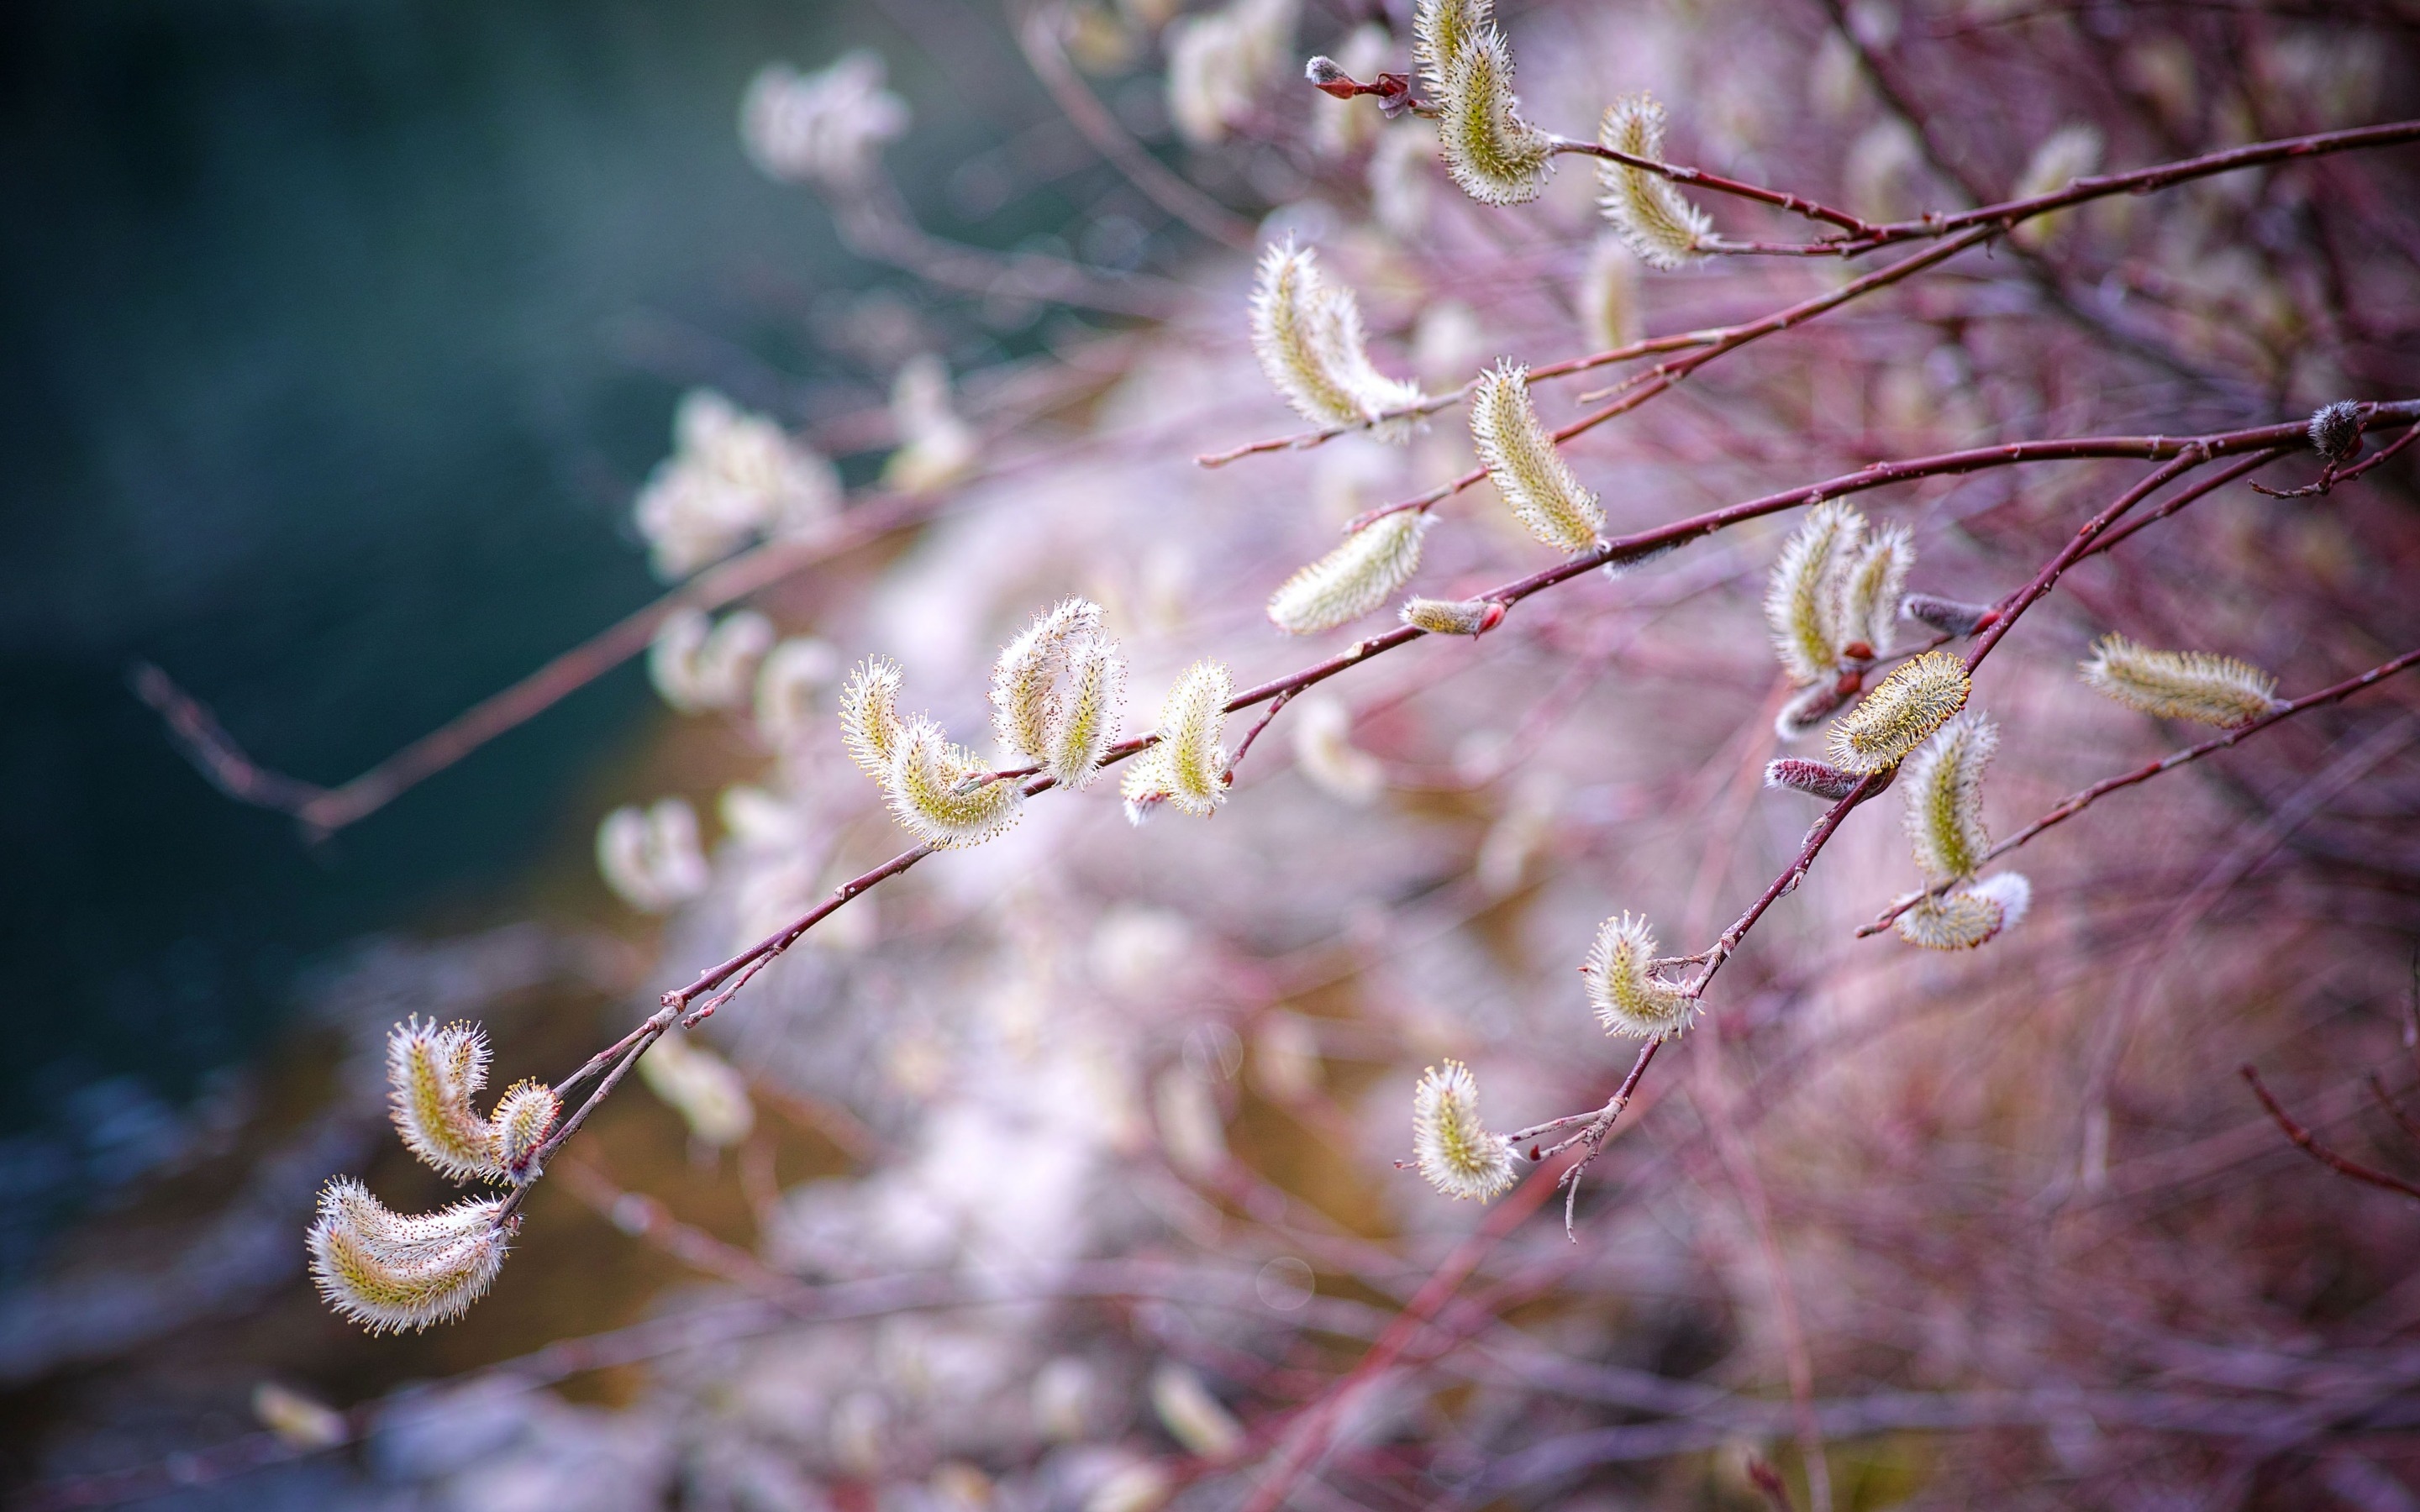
2309, 1144
2076, 803
1699, 178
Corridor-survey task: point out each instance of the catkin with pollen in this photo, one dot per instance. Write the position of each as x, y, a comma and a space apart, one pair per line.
934, 797
1622, 986
1185, 767
869, 714
1453, 1148
1945, 797
1522, 462
432, 1074
1968, 917
390, 1272
1917, 699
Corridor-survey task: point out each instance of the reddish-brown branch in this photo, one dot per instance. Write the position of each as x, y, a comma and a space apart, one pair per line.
1699, 178
2309, 1144
2076, 803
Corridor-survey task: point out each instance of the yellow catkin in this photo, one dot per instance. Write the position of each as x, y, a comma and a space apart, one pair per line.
525, 1117
1969, 916
1453, 1148
934, 798
1187, 767
1645, 209
1522, 462
869, 714
1917, 699
389, 1272
1802, 598
2180, 684
1622, 986
432, 1074
1944, 781
1493, 154
1308, 337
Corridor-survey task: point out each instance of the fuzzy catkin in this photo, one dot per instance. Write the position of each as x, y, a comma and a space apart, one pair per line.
1645, 209
2180, 684
432, 1074
933, 794
1622, 986
869, 714
1917, 699
1813, 778
1457, 616
525, 1116
1439, 28
1453, 1148
1870, 590
1355, 579
1493, 154
1522, 462
1945, 797
1308, 337
2336, 430
1185, 767
389, 1272
1802, 598
1969, 916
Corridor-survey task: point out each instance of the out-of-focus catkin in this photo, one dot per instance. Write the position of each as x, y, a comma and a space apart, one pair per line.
1355, 579
1969, 916
1308, 336
2180, 684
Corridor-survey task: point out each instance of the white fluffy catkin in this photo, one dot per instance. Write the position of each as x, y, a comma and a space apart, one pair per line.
1308, 336
1646, 208
1355, 579
1522, 462
1453, 1148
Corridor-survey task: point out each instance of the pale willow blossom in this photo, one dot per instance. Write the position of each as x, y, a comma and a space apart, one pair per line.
650, 857
938, 792
1522, 462
788, 680
1439, 29
2066, 155
2180, 684
1454, 1151
1324, 752
937, 447
433, 1072
1187, 767
1493, 154
1609, 294
1833, 600
1943, 780
733, 476
1308, 336
1970, 916
1219, 61
824, 129
1057, 690
703, 1088
1917, 699
1355, 579
389, 1271
869, 714
699, 664
1646, 208
1191, 1415
1629, 998
1453, 616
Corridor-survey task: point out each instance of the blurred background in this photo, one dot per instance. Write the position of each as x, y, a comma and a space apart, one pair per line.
349, 348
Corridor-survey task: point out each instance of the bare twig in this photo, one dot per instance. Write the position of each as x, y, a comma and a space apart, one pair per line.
2309, 1144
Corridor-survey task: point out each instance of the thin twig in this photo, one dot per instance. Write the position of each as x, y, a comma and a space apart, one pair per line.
2309, 1145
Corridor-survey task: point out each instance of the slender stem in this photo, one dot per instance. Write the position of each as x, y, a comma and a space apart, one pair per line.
1699, 178
2309, 1144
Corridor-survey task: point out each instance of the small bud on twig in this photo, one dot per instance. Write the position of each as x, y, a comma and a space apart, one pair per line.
1466, 616
2336, 430
1814, 778
1947, 615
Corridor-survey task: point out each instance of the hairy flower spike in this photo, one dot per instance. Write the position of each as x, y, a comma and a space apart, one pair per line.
1945, 797
432, 1073
387, 1271
1969, 916
2180, 684
525, 1117
1947, 615
1355, 579
1439, 29
1522, 462
1308, 337
1666, 230
1085, 718
1026, 681
1187, 767
1628, 996
869, 714
933, 794
1460, 616
1870, 589
1803, 601
1812, 777
1917, 699
1454, 1151
1496, 156
2336, 430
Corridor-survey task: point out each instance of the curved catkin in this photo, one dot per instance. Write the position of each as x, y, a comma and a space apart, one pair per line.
934, 798
1493, 154
869, 714
1025, 681
1084, 716
1453, 616
1917, 699
1185, 767
1522, 462
1355, 579
1308, 337
1870, 590
525, 1117
1646, 209
1627, 995
387, 1271
2180, 684
1453, 1149
1969, 916
432, 1073
1801, 601
1945, 797
1440, 27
